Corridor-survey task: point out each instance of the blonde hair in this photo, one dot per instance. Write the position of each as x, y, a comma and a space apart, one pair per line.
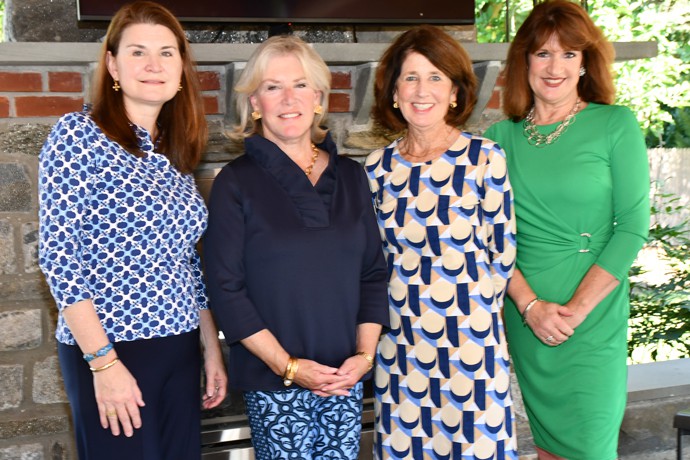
315, 69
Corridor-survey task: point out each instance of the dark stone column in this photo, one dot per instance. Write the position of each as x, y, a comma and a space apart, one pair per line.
56, 21
48, 21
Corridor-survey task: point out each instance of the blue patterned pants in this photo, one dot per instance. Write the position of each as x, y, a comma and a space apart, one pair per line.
296, 424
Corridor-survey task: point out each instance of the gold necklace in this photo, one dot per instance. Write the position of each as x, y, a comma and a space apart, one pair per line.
538, 139
431, 153
314, 156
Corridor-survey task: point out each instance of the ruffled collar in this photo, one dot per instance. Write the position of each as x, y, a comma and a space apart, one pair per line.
312, 202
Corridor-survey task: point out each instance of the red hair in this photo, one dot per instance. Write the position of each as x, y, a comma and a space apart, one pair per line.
575, 31
183, 129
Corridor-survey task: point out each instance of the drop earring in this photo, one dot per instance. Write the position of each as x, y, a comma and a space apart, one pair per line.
116, 86
583, 71
179, 88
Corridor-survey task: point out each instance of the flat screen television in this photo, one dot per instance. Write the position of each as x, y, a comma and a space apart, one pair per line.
301, 11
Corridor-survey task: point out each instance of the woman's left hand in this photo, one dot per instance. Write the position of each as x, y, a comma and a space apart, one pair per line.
548, 321
216, 380
575, 318
354, 368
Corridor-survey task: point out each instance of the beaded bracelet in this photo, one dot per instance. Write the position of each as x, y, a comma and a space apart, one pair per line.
106, 366
88, 357
527, 309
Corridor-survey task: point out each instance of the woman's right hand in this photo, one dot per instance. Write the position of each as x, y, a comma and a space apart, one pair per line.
548, 322
314, 376
119, 399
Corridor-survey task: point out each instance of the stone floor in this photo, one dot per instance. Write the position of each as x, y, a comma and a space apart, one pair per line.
666, 455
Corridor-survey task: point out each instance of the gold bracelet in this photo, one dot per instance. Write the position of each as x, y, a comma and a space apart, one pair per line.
106, 366
290, 371
528, 308
368, 357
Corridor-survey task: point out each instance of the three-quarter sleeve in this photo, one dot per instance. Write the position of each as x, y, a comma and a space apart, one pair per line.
498, 209
374, 278
630, 184
65, 167
199, 282
224, 261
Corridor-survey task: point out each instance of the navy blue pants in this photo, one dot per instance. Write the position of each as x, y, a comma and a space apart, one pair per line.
168, 373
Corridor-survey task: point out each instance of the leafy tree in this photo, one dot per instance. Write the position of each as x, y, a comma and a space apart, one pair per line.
656, 89
660, 305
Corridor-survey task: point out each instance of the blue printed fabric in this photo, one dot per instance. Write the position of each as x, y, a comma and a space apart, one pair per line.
120, 230
442, 381
296, 424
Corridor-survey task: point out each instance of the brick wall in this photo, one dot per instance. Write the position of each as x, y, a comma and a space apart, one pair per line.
46, 93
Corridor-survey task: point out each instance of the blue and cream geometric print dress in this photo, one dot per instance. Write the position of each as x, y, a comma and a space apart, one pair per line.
442, 381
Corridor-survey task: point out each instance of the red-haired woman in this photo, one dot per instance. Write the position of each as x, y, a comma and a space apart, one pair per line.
119, 220
579, 171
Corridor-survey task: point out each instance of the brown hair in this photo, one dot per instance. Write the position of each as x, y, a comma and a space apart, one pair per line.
183, 129
444, 53
575, 31
315, 70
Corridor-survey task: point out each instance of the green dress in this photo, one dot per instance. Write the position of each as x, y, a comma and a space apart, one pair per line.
579, 201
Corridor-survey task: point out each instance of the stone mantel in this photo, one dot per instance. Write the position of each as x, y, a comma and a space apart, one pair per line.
36, 53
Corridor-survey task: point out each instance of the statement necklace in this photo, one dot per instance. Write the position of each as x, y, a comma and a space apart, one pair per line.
314, 156
538, 139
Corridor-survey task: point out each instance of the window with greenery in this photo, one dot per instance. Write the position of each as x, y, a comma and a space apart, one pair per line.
657, 89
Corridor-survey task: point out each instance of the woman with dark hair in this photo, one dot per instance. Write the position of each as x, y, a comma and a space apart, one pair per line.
444, 207
120, 216
579, 170
295, 269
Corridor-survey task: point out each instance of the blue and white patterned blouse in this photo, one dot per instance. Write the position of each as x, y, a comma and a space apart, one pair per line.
120, 230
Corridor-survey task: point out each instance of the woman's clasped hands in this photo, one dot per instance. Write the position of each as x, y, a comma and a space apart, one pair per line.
553, 323
331, 381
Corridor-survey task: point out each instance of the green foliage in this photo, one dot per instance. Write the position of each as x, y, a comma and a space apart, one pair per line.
676, 133
644, 85
649, 85
2, 20
660, 306
490, 17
